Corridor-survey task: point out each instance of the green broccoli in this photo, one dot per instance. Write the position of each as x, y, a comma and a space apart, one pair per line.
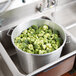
45, 27
30, 46
35, 27
38, 40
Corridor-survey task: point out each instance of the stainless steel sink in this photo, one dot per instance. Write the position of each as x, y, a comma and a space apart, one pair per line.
72, 29
8, 52
6, 42
65, 15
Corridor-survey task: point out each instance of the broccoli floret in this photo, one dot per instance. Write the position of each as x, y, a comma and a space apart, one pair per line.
17, 40
21, 45
36, 46
25, 31
32, 39
55, 46
30, 46
49, 31
29, 51
59, 41
27, 41
21, 36
47, 35
40, 28
35, 27
41, 33
44, 46
31, 31
45, 27
48, 46
42, 52
23, 39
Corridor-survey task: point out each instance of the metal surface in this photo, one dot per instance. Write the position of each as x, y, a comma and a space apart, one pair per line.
9, 62
14, 18
1, 1
45, 4
59, 69
4, 70
68, 51
6, 6
66, 14
30, 62
4, 39
72, 29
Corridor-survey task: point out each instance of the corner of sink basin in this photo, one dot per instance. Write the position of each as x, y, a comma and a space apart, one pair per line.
4, 70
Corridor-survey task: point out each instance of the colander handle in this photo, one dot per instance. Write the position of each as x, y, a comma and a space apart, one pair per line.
45, 17
10, 31
68, 40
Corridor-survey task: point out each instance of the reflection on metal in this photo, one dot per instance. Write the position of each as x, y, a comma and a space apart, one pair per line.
51, 3
46, 4
1, 20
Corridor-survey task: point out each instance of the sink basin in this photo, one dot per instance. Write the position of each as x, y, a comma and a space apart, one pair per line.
72, 29
6, 42
66, 14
